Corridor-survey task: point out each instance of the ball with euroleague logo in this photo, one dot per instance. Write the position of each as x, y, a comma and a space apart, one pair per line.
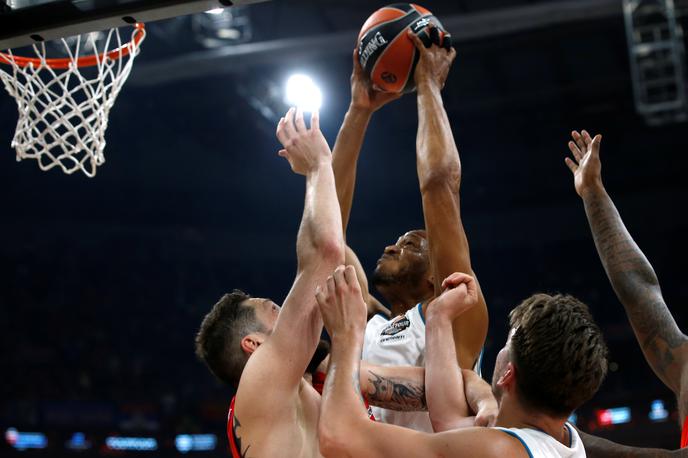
386, 53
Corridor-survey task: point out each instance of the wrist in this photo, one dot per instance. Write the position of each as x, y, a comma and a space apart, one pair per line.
359, 111
437, 318
347, 336
424, 85
593, 190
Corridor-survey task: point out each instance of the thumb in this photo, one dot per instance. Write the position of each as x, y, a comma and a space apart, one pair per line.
283, 153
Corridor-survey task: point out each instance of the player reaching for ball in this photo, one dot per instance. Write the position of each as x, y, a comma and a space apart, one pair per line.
263, 350
410, 272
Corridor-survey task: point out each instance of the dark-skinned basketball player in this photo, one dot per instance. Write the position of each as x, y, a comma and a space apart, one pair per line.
636, 285
262, 350
410, 271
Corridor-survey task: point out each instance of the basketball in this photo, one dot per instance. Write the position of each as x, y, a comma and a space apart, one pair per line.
385, 53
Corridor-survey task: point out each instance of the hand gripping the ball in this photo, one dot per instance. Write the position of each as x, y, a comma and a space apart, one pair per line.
341, 304
435, 60
305, 149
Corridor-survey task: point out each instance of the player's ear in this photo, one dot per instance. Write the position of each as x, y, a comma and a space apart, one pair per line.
251, 342
508, 378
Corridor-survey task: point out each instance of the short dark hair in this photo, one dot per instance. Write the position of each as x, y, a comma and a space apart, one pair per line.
217, 341
559, 353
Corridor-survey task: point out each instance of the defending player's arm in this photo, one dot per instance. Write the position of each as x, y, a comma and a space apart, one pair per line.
480, 399
439, 175
281, 362
443, 378
344, 428
596, 447
364, 102
630, 273
394, 387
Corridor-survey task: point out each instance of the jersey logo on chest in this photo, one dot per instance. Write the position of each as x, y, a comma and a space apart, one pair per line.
396, 327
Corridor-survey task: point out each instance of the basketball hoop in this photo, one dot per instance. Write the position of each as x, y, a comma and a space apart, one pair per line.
64, 103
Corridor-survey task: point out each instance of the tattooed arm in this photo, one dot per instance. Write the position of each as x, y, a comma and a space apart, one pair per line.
629, 271
596, 447
394, 387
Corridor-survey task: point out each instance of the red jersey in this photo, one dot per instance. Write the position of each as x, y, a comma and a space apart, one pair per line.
684, 434
233, 448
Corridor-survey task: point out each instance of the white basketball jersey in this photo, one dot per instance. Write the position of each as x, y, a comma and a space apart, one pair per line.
399, 342
541, 445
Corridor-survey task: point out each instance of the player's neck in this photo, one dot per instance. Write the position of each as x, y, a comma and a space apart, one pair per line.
513, 415
400, 300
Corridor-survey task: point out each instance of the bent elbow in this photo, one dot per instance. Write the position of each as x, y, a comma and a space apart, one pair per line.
442, 176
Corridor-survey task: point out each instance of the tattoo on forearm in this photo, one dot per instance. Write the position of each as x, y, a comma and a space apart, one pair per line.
636, 285
235, 428
397, 394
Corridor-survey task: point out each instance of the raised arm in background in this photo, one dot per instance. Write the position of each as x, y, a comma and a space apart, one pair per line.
364, 102
282, 360
629, 271
439, 176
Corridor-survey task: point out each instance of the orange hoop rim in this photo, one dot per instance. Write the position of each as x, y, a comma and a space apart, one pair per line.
86, 61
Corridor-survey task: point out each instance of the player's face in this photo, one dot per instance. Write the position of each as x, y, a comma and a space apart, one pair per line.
406, 260
266, 312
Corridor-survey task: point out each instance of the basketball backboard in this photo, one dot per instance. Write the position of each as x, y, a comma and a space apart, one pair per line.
24, 22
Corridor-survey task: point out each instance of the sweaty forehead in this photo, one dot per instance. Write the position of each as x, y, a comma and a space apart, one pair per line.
415, 235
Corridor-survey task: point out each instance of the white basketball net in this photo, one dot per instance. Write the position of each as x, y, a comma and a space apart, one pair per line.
63, 113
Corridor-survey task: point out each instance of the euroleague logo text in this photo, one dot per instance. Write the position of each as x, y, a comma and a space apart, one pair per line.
373, 45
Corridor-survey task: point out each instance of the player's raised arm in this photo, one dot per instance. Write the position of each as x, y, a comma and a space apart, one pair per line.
439, 175
282, 360
364, 102
443, 378
630, 273
344, 429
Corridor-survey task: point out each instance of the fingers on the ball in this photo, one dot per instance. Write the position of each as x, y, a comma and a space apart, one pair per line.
447, 42
570, 164
415, 39
434, 35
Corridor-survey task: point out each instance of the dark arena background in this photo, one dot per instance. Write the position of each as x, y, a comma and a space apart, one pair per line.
104, 281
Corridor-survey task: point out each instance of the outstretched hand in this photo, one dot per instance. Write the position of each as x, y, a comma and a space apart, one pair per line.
341, 303
460, 293
305, 148
363, 95
435, 60
587, 167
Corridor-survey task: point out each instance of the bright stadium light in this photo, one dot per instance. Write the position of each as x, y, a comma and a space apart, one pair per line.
303, 93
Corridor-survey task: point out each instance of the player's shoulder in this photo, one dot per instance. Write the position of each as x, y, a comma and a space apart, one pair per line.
492, 442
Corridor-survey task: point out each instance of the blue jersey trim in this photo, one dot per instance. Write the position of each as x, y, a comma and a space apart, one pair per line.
420, 312
570, 435
478, 368
511, 433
